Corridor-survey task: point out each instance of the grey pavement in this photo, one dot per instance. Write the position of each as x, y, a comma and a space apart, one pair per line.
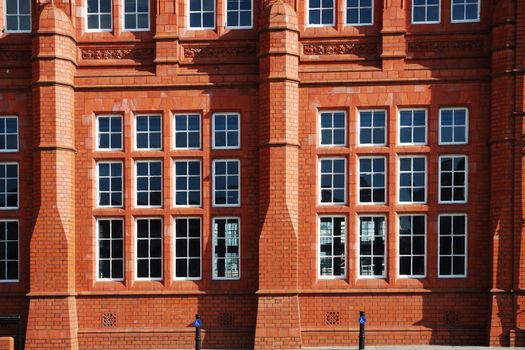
419, 347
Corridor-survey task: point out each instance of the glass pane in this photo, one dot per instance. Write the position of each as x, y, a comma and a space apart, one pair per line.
129, 5
105, 6
105, 22
181, 268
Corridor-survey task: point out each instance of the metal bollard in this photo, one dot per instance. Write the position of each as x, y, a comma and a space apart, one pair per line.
197, 324
362, 321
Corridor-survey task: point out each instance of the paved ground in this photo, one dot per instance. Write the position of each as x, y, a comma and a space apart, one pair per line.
420, 347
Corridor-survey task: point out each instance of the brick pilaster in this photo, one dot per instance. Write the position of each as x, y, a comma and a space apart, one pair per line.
166, 38
393, 35
278, 321
52, 321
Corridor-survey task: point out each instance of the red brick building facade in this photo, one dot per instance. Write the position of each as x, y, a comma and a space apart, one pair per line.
275, 166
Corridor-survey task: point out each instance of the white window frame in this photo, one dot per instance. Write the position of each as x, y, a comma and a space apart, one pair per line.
98, 133
411, 255
135, 13
214, 162
97, 186
97, 261
465, 185
175, 190
186, 115
148, 133
238, 130
372, 174
188, 12
17, 186
18, 18
175, 258
426, 12
412, 172
452, 246
319, 188
453, 109
345, 253
359, 126
99, 30
321, 15
214, 239
385, 235
3, 119
412, 127
320, 129
18, 252
239, 11
161, 183
452, 20
136, 241
360, 24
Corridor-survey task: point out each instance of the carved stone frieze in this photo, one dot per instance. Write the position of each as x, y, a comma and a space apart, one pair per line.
346, 48
117, 54
209, 52
448, 45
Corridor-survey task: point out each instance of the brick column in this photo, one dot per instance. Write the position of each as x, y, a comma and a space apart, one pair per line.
502, 184
393, 35
278, 322
166, 39
52, 321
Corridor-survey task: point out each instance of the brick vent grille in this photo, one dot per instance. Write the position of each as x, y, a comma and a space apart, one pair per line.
332, 318
226, 319
109, 320
451, 317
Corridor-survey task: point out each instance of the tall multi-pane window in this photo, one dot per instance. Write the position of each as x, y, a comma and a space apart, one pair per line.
187, 248
359, 12
238, 13
99, 15
109, 132
149, 249
425, 11
332, 246
149, 183
412, 230
136, 15
453, 126
412, 179
372, 251
187, 131
413, 126
187, 183
226, 130
226, 182
9, 251
226, 248
110, 241
110, 193
148, 132
465, 10
452, 245
8, 134
17, 16
372, 180
453, 179
332, 182
333, 128
8, 185
372, 128
321, 12
201, 14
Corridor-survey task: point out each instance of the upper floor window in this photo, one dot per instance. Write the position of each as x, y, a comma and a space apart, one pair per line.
413, 126
332, 237
321, 12
226, 130
99, 15
149, 183
333, 128
412, 245
187, 131
238, 13
187, 248
226, 183
201, 14
149, 249
136, 15
109, 185
332, 182
359, 12
8, 185
412, 179
17, 16
372, 180
453, 179
372, 128
465, 10
187, 183
425, 11
226, 248
453, 126
372, 246
452, 261
148, 132
9, 251
110, 252
109, 132
8, 134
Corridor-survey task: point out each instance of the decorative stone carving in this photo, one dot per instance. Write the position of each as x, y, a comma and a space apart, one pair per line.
117, 54
346, 48
438, 46
207, 52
